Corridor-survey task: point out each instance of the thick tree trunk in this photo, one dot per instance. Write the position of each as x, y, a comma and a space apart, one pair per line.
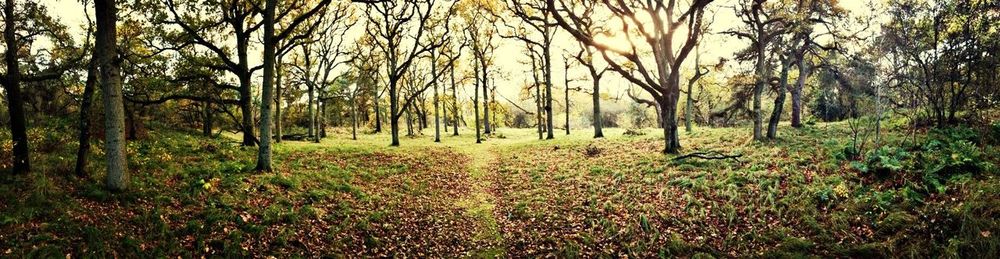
111, 89
83, 151
779, 103
15, 102
267, 88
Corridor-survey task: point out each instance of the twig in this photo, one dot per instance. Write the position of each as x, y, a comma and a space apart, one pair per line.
710, 155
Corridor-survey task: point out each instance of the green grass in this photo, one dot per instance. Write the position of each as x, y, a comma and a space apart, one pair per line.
515, 196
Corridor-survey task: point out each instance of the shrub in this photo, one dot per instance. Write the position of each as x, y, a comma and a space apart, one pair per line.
882, 161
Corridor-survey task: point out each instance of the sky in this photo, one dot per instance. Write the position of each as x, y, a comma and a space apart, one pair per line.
510, 53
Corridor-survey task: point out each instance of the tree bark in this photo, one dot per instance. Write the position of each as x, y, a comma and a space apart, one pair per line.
796, 92
15, 102
111, 89
277, 99
454, 97
83, 151
758, 90
598, 119
207, 116
437, 118
547, 56
267, 88
779, 103
475, 107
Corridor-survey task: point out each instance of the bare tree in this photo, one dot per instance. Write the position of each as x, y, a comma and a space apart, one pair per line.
398, 28
662, 79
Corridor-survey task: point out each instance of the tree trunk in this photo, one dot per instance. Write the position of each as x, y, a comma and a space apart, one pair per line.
267, 88
82, 153
249, 139
454, 97
486, 101
277, 99
378, 114
354, 117
566, 76
475, 107
15, 102
598, 119
311, 111
207, 117
437, 118
393, 114
758, 90
548, 91
797, 93
111, 89
779, 103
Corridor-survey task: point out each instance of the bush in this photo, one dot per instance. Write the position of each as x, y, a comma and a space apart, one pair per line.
953, 154
882, 161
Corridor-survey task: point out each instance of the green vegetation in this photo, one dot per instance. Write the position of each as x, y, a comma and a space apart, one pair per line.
797, 196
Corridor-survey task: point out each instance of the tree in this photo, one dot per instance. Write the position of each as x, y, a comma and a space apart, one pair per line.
106, 13
198, 23
699, 72
271, 39
586, 57
536, 15
22, 27
665, 19
398, 28
761, 29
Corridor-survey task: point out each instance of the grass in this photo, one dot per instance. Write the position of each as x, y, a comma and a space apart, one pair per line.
515, 196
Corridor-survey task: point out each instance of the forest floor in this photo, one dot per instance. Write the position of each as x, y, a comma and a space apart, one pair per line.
513, 196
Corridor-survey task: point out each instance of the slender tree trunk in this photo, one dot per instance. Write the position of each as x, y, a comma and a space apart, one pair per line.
779, 103
566, 96
689, 103
277, 99
548, 86
409, 121
207, 116
437, 118
378, 114
310, 111
15, 102
475, 107
486, 102
267, 88
111, 89
454, 97
598, 119
797, 92
758, 90
393, 114
354, 117
82, 153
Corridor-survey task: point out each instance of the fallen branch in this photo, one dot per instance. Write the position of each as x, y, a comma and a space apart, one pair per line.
709, 155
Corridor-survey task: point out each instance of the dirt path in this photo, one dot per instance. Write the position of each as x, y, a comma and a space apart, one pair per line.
480, 204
